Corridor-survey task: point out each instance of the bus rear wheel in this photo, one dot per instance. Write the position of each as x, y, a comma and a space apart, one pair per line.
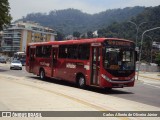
42, 74
81, 82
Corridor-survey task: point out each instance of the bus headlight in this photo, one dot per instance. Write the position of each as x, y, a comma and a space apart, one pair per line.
132, 79
105, 77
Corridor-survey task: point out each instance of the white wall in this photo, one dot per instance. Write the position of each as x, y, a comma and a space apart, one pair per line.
24, 40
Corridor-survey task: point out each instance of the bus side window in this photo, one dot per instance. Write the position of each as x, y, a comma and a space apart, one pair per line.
43, 51
47, 52
63, 51
72, 51
38, 51
83, 51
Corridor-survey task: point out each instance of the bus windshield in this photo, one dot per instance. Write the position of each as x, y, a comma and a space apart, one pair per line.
19, 55
119, 59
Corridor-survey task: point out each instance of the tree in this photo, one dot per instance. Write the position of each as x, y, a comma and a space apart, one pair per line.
158, 59
89, 34
5, 17
76, 34
59, 36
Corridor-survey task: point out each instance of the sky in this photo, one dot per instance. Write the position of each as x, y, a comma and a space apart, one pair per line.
21, 8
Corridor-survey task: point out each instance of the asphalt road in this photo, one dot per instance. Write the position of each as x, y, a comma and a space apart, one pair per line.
142, 92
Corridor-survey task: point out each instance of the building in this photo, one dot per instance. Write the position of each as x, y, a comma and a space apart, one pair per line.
156, 45
16, 36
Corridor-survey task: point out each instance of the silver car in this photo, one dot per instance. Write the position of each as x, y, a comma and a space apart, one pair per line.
3, 60
16, 64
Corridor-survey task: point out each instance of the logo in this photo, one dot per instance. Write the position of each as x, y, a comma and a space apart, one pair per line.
70, 65
44, 64
6, 114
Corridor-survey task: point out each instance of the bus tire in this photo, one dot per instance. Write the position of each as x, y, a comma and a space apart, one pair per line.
42, 74
81, 81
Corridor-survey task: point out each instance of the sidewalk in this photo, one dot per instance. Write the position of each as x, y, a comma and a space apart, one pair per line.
150, 75
59, 97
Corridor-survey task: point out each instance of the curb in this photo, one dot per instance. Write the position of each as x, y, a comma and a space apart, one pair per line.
150, 77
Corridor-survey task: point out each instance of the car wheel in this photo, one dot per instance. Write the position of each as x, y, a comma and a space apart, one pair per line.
10, 68
81, 81
42, 74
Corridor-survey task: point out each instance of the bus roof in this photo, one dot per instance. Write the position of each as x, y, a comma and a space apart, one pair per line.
19, 53
79, 41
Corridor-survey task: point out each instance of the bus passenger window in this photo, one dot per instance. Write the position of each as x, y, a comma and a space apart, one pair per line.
47, 51
83, 52
39, 51
63, 51
72, 51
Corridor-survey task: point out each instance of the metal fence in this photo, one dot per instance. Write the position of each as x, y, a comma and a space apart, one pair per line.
148, 67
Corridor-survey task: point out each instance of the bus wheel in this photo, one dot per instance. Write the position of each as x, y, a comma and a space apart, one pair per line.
81, 82
42, 74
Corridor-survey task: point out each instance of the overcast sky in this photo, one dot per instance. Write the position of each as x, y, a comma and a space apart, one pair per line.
21, 8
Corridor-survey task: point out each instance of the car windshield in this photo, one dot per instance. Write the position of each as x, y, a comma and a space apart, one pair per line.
2, 59
119, 59
16, 62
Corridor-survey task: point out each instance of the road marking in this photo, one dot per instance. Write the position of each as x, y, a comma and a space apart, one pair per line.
149, 77
151, 85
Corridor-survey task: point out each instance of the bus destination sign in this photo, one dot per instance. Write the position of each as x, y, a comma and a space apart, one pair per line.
118, 43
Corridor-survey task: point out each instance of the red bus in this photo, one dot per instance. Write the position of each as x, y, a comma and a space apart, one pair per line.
100, 62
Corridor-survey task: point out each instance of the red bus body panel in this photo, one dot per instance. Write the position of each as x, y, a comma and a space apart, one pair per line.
67, 69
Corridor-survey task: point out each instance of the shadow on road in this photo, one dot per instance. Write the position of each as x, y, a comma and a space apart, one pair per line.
1, 70
88, 88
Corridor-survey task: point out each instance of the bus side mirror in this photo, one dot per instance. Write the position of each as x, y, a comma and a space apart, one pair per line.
136, 56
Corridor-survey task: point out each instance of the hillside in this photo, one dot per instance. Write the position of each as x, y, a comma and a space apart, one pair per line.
150, 19
69, 20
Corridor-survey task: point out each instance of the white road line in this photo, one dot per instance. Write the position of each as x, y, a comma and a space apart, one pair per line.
151, 85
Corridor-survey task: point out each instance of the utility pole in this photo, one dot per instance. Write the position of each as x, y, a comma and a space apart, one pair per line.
151, 46
137, 29
140, 54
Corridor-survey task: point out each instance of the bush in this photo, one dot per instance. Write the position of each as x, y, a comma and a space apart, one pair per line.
158, 59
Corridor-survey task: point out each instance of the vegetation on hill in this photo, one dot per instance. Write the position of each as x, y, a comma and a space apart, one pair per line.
110, 23
148, 19
70, 20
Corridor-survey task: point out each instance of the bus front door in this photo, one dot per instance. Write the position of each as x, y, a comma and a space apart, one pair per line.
31, 59
95, 67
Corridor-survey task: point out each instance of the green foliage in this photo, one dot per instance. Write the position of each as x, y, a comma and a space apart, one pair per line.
5, 17
158, 59
69, 20
76, 34
60, 36
127, 30
89, 34
110, 23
